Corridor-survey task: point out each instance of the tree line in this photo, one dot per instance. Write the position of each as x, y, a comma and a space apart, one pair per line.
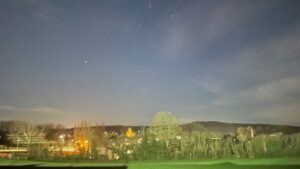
164, 139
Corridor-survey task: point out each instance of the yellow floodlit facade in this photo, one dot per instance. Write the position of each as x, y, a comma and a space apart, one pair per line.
130, 133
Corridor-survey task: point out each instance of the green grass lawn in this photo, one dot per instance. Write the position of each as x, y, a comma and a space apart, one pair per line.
178, 164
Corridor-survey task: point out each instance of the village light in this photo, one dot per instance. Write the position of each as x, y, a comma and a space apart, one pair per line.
117, 157
61, 136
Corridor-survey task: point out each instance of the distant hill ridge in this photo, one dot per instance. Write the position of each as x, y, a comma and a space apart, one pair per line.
220, 127
212, 126
230, 128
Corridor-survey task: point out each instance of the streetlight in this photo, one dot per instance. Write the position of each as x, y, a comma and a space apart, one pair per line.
61, 136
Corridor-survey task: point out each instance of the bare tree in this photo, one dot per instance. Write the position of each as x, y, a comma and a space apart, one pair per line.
26, 134
22, 132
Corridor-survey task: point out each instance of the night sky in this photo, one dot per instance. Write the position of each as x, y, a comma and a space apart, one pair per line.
121, 62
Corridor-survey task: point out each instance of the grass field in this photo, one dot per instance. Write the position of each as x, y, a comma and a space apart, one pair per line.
200, 164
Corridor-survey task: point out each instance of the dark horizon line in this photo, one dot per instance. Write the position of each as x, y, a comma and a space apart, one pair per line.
183, 123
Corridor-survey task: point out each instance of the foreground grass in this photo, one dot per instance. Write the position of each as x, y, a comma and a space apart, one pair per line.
174, 164
220, 164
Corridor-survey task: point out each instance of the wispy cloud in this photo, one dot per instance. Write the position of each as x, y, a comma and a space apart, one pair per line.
270, 60
262, 80
195, 30
9, 108
279, 91
207, 83
38, 114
